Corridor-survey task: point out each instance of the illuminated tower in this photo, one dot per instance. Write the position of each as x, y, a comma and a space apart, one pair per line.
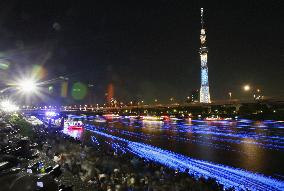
204, 89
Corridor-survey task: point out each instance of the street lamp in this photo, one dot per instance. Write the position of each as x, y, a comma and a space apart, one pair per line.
27, 86
247, 88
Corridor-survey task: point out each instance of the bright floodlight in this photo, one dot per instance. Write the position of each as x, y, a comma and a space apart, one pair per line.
7, 106
27, 86
246, 87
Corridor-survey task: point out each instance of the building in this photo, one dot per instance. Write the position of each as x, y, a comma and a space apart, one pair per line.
204, 89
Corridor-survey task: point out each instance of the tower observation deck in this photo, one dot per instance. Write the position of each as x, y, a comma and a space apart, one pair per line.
204, 89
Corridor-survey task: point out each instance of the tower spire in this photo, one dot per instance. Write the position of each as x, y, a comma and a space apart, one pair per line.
202, 21
204, 89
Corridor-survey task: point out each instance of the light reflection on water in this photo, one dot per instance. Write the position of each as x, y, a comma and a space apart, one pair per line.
75, 133
226, 175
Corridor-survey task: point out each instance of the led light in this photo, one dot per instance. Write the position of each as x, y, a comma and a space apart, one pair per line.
228, 176
50, 114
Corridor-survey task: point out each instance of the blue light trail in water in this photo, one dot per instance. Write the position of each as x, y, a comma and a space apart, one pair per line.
228, 176
225, 136
95, 140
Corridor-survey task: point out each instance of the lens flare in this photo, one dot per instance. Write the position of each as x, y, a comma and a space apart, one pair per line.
79, 91
27, 85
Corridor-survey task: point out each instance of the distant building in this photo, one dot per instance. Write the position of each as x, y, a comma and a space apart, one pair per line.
194, 96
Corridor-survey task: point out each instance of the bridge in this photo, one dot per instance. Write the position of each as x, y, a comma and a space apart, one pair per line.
104, 109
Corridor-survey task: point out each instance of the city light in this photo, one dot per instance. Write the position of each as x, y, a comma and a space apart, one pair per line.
50, 114
247, 87
27, 86
8, 106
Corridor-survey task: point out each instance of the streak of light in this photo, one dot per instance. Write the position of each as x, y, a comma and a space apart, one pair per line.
226, 175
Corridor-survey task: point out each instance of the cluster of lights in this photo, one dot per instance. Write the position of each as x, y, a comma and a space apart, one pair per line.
95, 140
117, 147
50, 114
8, 106
228, 176
220, 135
34, 121
140, 136
75, 133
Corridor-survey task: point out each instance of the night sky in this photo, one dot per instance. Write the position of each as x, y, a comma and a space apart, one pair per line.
148, 49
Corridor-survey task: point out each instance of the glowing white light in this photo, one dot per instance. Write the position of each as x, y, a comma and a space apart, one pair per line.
7, 106
50, 113
27, 86
203, 57
204, 94
247, 87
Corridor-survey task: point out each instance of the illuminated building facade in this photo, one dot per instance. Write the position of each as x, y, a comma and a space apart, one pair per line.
204, 89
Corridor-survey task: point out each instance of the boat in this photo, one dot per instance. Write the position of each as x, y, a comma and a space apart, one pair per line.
100, 120
73, 122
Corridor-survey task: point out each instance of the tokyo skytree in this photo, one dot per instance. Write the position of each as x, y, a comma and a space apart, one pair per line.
204, 89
